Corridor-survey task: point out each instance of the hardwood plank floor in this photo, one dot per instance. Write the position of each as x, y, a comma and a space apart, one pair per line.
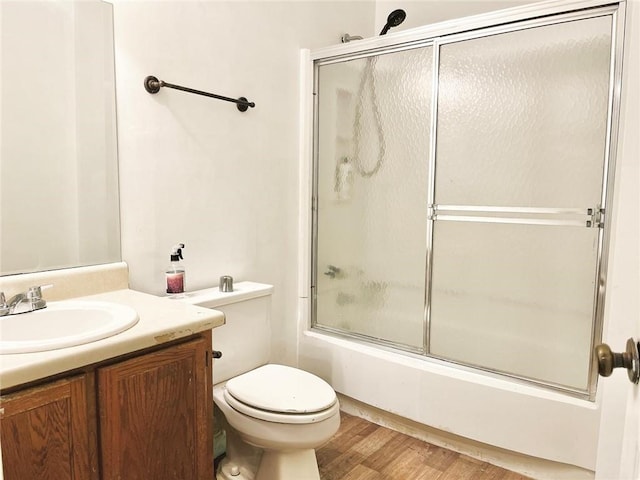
362, 450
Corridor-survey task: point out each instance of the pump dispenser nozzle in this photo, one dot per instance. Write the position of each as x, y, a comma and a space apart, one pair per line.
176, 252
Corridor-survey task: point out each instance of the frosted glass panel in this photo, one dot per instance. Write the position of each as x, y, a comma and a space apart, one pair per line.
522, 117
373, 143
515, 298
520, 157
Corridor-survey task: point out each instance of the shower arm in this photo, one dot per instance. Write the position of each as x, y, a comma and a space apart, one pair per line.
153, 85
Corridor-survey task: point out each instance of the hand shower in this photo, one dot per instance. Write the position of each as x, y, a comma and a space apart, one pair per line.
394, 19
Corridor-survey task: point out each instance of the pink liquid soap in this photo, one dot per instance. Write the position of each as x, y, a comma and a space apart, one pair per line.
175, 282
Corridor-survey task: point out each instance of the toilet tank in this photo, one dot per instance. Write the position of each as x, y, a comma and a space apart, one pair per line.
245, 338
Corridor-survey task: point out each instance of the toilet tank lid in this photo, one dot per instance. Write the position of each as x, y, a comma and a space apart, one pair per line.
213, 297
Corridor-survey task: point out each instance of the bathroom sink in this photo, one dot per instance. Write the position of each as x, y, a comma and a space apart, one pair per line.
63, 324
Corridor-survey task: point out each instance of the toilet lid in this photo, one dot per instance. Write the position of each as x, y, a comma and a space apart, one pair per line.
278, 388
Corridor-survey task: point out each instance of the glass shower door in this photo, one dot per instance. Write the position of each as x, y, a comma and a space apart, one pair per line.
373, 139
460, 196
522, 132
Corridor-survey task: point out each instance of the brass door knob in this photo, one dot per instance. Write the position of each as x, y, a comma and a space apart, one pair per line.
608, 360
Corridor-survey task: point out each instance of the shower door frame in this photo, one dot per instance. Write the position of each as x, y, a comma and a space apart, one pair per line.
510, 20
421, 353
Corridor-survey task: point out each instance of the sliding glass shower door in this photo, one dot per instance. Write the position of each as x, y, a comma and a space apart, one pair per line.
460, 190
521, 149
372, 204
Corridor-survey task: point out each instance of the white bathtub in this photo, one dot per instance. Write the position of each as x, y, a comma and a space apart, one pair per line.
497, 411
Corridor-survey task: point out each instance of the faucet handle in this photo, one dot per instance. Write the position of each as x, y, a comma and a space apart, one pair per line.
35, 293
4, 308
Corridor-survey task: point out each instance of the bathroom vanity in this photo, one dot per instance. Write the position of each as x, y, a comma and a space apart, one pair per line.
147, 416
134, 405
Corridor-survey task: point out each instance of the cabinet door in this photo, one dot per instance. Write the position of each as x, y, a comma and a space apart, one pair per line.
156, 415
47, 432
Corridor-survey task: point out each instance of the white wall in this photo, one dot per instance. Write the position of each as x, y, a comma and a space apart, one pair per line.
196, 170
425, 12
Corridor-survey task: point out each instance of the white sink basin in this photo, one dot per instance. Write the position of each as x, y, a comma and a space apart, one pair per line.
63, 324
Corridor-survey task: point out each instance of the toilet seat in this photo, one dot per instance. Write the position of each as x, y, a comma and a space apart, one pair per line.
275, 417
281, 394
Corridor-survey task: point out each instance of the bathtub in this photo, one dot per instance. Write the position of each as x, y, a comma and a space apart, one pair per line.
498, 411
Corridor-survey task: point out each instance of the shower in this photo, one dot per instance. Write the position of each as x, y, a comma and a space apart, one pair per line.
464, 265
422, 216
368, 78
394, 19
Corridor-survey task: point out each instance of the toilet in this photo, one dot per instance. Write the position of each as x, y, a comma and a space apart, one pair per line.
273, 416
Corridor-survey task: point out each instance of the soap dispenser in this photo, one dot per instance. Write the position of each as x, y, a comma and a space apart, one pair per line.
175, 272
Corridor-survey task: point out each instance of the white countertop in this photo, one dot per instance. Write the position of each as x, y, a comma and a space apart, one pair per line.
161, 320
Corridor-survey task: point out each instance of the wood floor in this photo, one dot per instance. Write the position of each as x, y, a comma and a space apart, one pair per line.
364, 451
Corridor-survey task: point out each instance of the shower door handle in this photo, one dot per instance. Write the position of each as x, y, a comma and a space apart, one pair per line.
608, 360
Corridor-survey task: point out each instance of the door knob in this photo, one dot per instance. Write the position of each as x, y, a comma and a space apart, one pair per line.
608, 360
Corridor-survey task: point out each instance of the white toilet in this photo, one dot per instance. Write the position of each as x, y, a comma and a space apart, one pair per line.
274, 416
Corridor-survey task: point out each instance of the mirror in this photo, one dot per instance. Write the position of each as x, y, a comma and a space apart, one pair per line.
58, 154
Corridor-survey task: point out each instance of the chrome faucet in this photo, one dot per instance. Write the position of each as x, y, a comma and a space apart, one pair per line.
23, 302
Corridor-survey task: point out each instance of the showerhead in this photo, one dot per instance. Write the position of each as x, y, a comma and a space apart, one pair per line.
394, 19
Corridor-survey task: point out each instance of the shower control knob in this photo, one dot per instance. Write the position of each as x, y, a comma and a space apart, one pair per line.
608, 360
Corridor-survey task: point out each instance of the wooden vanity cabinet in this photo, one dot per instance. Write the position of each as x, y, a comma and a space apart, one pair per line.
151, 410
148, 416
46, 432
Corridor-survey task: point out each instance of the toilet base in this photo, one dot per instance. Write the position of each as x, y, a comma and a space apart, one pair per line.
242, 460
298, 464
230, 471
246, 462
